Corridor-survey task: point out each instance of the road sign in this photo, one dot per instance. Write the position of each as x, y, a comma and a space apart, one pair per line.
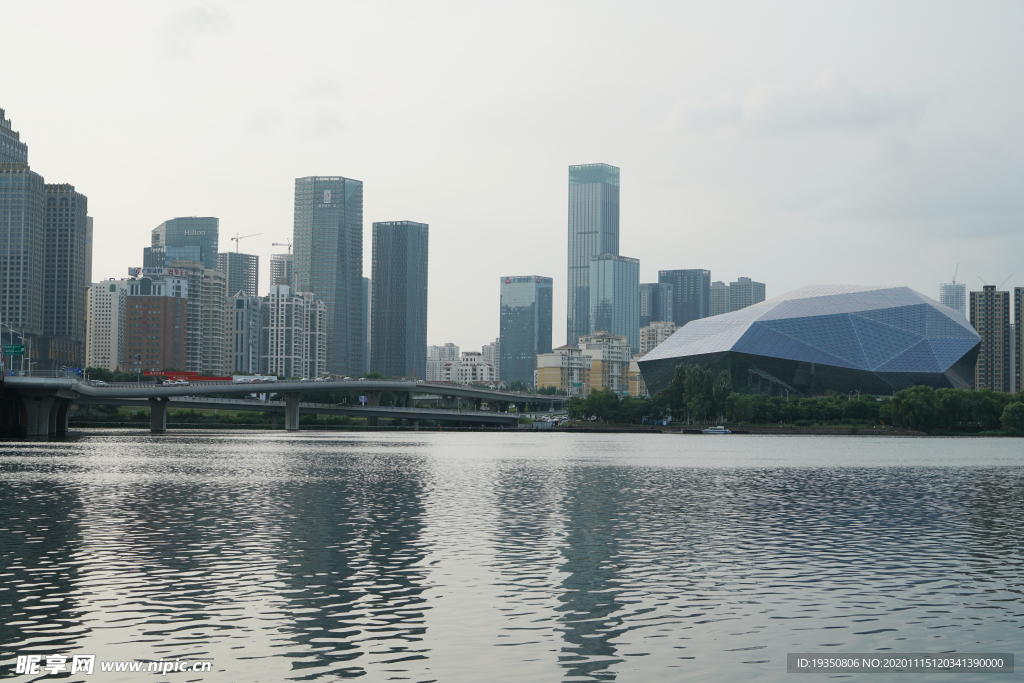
14, 349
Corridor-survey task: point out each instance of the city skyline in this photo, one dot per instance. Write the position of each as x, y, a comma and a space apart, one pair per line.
791, 153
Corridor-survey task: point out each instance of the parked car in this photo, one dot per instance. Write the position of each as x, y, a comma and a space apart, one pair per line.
99, 383
169, 383
320, 379
304, 379
182, 382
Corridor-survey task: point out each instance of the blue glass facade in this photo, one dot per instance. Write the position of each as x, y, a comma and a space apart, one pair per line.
398, 299
615, 297
526, 303
844, 338
184, 239
593, 230
691, 293
656, 300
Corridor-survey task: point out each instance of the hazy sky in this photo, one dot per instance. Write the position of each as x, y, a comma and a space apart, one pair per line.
792, 142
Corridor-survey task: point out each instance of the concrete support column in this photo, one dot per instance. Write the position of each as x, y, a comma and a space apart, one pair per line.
291, 412
476, 404
37, 414
61, 409
371, 422
273, 420
372, 398
415, 424
520, 408
448, 402
158, 414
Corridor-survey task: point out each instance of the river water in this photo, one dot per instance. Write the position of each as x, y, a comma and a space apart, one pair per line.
506, 557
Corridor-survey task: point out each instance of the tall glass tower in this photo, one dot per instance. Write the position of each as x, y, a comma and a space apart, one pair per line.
615, 297
183, 239
593, 230
328, 262
398, 307
525, 326
691, 293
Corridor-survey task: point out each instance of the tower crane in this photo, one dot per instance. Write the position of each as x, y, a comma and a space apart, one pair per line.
957, 270
237, 239
286, 243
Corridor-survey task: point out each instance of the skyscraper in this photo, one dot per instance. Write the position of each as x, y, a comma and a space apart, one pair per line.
12, 149
1018, 338
745, 292
655, 303
183, 239
157, 322
954, 295
294, 334
615, 297
990, 317
281, 270
367, 293
65, 269
242, 272
525, 326
593, 230
243, 334
105, 334
719, 298
328, 242
398, 310
691, 291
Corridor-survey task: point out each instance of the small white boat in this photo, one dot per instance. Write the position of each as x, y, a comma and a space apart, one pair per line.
716, 430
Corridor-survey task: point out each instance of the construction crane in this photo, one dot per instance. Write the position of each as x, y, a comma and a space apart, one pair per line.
287, 243
237, 239
955, 272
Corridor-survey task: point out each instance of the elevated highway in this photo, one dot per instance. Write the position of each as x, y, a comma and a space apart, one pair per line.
35, 406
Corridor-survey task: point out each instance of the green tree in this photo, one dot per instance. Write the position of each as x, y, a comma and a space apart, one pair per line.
1012, 418
914, 408
518, 385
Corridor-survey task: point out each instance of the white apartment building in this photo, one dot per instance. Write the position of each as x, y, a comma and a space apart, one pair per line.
470, 368
719, 301
437, 358
294, 342
106, 310
492, 355
609, 361
566, 368
243, 334
654, 334
745, 292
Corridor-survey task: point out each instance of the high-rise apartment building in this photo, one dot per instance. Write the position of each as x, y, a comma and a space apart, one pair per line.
437, 358
691, 291
294, 334
191, 238
12, 149
655, 302
398, 344
105, 333
990, 317
593, 230
609, 361
745, 292
367, 295
567, 369
525, 323
243, 335
954, 295
654, 334
719, 298
242, 272
1018, 338
281, 271
21, 249
157, 323
492, 354
470, 368
207, 298
328, 241
615, 296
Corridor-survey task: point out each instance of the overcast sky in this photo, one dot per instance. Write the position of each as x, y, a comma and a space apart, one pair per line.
791, 142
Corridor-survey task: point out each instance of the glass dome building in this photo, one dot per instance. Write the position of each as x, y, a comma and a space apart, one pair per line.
845, 338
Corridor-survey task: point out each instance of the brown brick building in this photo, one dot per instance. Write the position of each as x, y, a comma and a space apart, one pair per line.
156, 325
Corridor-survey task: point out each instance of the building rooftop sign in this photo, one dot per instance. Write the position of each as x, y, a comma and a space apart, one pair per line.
158, 272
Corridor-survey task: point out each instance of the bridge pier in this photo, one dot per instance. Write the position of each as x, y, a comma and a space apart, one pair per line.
372, 398
291, 412
37, 414
158, 414
415, 424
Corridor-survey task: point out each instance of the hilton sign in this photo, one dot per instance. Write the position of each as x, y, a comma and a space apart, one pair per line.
195, 233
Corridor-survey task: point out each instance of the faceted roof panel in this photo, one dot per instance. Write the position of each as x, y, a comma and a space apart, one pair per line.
878, 329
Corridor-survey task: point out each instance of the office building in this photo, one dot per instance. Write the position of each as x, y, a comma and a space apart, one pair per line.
295, 334
328, 241
366, 300
719, 302
593, 230
655, 303
655, 334
566, 369
821, 338
525, 325
107, 324
615, 296
745, 292
66, 265
398, 344
1018, 338
12, 149
990, 317
281, 270
609, 361
954, 295
191, 238
691, 292
470, 368
437, 358
492, 354
243, 335
242, 272
157, 322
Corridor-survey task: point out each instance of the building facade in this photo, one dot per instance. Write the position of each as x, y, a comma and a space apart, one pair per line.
615, 296
367, 297
66, 265
719, 302
105, 344
492, 354
470, 368
593, 230
437, 358
328, 239
191, 238
281, 269
207, 299
157, 323
691, 290
745, 292
525, 322
654, 334
566, 369
1018, 338
12, 149
655, 302
295, 334
242, 272
609, 361
954, 295
398, 343
990, 316
243, 335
